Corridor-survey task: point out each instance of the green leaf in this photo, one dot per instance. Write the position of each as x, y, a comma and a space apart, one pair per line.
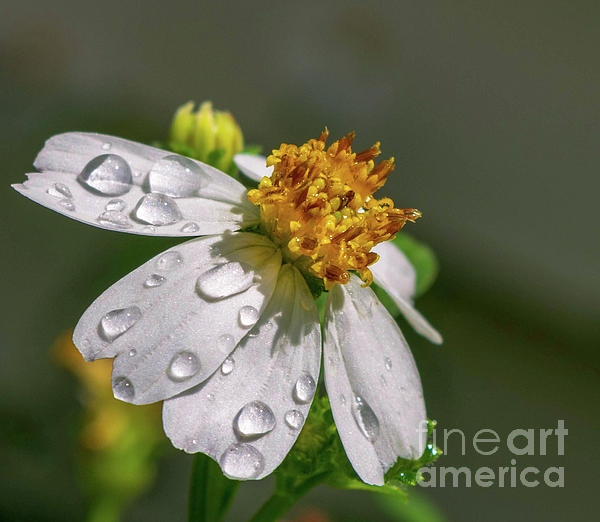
421, 257
211, 492
414, 508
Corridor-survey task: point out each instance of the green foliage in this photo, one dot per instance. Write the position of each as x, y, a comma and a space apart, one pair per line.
421, 257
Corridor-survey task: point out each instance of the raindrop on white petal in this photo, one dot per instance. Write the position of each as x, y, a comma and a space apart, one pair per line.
388, 363
169, 261
132, 352
190, 228
248, 316
157, 209
226, 343
227, 366
225, 280
115, 219
116, 205
67, 204
210, 396
242, 461
117, 322
107, 174
304, 389
365, 419
60, 190
294, 419
268, 325
343, 399
123, 389
149, 228
106, 146
183, 366
154, 280
254, 420
177, 176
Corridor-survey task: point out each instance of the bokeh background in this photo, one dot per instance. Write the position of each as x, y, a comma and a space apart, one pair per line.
492, 110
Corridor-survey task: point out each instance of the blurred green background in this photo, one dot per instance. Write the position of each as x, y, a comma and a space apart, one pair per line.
492, 110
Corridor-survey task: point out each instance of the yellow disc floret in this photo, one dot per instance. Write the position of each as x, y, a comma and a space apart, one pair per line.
319, 206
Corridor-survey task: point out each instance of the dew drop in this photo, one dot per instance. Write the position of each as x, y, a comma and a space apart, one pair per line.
117, 322
177, 176
132, 352
106, 146
248, 316
226, 343
183, 366
304, 389
190, 228
210, 396
388, 363
242, 461
150, 229
343, 399
225, 280
60, 190
365, 419
66, 204
268, 325
169, 261
114, 218
107, 174
294, 419
117, 205
227, 366
254, 420
157, 209
154, 280
123, 389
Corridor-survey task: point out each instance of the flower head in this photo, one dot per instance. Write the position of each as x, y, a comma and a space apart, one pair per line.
223, 328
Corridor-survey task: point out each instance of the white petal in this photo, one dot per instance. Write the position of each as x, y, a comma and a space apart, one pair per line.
220, 205
396, 275
372, 383
253, 165
222, 418
165, 324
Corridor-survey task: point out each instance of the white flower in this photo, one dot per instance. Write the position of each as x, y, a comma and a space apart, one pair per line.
223, 328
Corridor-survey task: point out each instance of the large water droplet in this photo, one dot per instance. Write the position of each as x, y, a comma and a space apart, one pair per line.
117, 322
154, 280
225, 280
177, 176
157, 209
115, 204
388, 363
226, 343
248, 316
123, 389
294, 419
114, 218
169, 261
60, 190
242, 461
108, 174
183, 366
254, 419
365, 419
304, 389
227, 366
190, 228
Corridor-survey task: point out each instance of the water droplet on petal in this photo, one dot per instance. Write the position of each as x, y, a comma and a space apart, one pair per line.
254, 420
108, 174
365, 419
67, 204
154, 280
210, 396
150, 229
304, 389
242, 461
388, 363
183, 366
115, 219
157, 209
106, 146
169, 261
115, 204
268, 325
177, 176
190, 228
343, 399
225, 280
117, 322
132, 352
227, 366
294, 419
123, 389
226, 343
248, 316
60, 190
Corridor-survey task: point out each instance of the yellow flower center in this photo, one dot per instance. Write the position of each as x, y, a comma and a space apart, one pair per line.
319, 206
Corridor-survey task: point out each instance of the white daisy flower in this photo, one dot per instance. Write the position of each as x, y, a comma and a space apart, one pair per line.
224, 328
